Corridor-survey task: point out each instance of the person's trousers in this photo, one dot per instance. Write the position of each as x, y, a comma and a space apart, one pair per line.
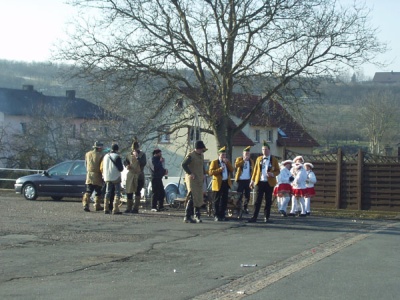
221, 200
263, 189
158, 193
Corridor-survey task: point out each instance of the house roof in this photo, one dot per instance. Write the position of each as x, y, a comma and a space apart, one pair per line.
387, 77
27, 101
274, 115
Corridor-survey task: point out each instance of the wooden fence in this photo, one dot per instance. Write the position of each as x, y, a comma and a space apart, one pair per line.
359, 182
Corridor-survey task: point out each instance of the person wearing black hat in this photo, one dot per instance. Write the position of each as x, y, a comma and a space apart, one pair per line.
244, 166
112, 168
193, 165
157, 173
266, 169
221, 170
94, 179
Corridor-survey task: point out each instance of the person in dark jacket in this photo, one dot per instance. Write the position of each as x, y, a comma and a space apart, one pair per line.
157, 173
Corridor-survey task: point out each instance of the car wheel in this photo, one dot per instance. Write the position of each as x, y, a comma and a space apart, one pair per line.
56, 198
171, 193
29, 191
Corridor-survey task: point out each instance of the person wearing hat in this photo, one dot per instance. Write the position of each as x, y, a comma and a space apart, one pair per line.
244, 167
135, 177
310, 191
157, 173
283, 188
298, 190
94, 179
112, 167
266, 169
193, 165
220, 170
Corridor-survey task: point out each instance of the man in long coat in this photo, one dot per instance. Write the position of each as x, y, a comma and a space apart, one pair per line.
193, 165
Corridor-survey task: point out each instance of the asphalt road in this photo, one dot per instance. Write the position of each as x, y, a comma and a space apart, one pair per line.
54, 250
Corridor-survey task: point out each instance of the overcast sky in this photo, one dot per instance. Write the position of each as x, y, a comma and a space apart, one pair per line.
29, 29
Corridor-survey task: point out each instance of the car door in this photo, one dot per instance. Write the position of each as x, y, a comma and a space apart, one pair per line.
75, 183
54, 179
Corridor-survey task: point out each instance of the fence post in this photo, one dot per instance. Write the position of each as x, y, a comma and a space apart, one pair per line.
338, 199
360, 164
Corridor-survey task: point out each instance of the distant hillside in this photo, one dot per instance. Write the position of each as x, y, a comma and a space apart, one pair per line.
50, 79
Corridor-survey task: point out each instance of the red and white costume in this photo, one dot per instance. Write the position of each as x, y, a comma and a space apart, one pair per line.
310, 191
298, 188
283, 188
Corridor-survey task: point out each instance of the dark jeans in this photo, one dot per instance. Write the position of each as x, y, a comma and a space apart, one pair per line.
140, 186
244, 189
91, 187
263, 188
158, 193
221, 200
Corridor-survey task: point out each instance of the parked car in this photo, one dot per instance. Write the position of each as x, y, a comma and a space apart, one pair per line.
67, 179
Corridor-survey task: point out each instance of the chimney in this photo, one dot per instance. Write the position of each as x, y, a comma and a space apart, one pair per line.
70, 94
27, 87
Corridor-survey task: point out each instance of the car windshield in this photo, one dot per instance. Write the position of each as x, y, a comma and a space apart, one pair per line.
61, 169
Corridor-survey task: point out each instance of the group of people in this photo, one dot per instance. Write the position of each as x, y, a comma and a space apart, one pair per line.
296, 183
104, 174
290, 180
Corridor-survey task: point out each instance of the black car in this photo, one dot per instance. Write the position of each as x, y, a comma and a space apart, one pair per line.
66, 179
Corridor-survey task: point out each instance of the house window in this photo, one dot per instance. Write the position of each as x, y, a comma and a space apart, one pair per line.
269, 135
194, 134
257, 136
23, 127
164, 136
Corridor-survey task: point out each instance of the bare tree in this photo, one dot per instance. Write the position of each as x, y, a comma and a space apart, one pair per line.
210, 49
379, 118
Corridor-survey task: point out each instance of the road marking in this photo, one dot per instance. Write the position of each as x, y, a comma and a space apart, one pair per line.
258, 280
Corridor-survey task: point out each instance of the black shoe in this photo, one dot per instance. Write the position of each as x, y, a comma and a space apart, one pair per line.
283, 213
308, 214
134, 211
86, 209
188, 220
252, 220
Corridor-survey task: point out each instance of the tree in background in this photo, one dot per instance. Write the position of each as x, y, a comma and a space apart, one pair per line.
379, 118
211, 49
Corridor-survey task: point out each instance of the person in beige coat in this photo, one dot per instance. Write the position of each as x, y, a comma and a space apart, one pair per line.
193, 165
94, 181
132, 165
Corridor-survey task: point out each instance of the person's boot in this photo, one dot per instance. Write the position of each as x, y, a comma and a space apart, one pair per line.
129, 203
97, 205
189, 212
116, 206
197, 215
106, 205
85, 202
136, 205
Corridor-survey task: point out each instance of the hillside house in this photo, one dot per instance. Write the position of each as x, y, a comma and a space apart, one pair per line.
387, 77
274, 124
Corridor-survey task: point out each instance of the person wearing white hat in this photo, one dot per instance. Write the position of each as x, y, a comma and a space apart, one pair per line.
283, 187
298, 189
310, 182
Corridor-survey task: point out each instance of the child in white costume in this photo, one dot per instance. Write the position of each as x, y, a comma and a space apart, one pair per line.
283, 187
298, 189
310, 191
